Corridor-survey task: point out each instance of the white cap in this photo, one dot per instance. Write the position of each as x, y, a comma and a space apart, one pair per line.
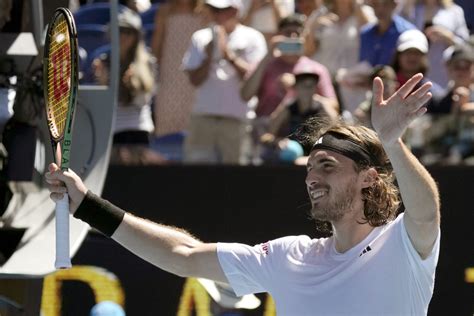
222, 4
223, 295
412, 39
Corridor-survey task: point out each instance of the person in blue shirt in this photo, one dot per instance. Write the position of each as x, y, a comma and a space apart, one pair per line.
378, 40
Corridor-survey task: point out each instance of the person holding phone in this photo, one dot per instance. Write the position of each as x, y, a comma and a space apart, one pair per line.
268, 80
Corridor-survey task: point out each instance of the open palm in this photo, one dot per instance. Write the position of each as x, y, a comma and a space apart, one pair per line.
391, 117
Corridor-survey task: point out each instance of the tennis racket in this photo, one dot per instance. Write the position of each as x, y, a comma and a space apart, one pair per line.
60, 71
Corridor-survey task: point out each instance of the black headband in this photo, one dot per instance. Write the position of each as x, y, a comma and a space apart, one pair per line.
345, 146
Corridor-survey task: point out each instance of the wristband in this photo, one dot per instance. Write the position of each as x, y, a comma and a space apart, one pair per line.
100, 214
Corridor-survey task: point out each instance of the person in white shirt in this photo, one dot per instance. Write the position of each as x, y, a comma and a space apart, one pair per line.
375, 263
216, 61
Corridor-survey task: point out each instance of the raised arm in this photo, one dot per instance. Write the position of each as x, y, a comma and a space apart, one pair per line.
169, 248
419, 192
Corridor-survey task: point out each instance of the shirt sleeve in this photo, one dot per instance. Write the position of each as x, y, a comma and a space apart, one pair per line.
194, 56
252, 269
429, 263
258, 49
422, 270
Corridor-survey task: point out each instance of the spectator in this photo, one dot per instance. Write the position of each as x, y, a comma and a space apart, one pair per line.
333, 38
459, 61
447, 136
378, 40
268, 81
133, 123
292, 113
216, 62
264, 15
444, 24
411, 58
175, 22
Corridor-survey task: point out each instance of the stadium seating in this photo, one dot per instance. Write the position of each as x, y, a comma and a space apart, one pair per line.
148, 17
95, 13
91, 36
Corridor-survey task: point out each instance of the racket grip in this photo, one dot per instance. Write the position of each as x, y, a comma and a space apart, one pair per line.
63, 261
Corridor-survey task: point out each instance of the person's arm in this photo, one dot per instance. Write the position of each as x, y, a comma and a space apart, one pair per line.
252, 84
198, 75
277, 11
240, 65
361, 16
159, 31
419, 192
254, 6
169, 248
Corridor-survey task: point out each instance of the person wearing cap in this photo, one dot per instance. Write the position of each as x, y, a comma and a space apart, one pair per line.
459, 63
133, 122
444, 24
378, 40
375, 262
292, 112
215, 62
411, 58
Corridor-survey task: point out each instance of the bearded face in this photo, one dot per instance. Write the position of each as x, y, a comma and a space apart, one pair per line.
331, 203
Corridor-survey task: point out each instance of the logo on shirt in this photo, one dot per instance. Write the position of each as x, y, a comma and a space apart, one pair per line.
264, 248
366, 250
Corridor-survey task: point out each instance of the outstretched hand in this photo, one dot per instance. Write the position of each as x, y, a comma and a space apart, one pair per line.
391, 117
60, 182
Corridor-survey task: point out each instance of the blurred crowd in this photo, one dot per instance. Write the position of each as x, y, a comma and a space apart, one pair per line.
233, 81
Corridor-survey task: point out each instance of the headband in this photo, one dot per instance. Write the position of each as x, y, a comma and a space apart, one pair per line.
345, 146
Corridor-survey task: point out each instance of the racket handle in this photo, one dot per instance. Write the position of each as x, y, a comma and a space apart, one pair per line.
63, 261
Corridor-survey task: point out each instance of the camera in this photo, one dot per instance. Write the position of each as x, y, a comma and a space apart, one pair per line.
291, 46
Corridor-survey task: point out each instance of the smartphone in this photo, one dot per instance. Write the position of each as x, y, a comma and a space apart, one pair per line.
291, 46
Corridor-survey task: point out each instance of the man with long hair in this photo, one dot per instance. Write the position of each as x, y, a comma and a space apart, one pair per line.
375, 263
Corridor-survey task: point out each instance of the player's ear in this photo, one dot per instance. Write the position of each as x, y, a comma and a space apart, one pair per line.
369, 176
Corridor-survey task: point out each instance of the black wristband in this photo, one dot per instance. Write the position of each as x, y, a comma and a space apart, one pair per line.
99, 213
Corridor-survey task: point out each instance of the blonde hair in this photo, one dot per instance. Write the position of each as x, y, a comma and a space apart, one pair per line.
142, 79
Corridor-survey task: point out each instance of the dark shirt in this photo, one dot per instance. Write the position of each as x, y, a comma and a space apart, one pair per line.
441, 104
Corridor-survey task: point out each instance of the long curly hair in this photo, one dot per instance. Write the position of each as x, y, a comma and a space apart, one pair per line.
382, 199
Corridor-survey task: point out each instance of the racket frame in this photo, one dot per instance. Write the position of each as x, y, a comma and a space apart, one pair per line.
62, 152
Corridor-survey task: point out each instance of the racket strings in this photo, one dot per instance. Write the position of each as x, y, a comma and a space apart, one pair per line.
59, 78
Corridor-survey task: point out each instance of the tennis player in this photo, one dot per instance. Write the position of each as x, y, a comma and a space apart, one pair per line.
375, 262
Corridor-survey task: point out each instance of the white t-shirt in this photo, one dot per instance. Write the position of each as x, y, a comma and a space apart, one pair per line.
135, 116
382, 275
220, 93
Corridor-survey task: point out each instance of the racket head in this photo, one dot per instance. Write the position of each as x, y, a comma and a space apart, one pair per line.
60, 71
